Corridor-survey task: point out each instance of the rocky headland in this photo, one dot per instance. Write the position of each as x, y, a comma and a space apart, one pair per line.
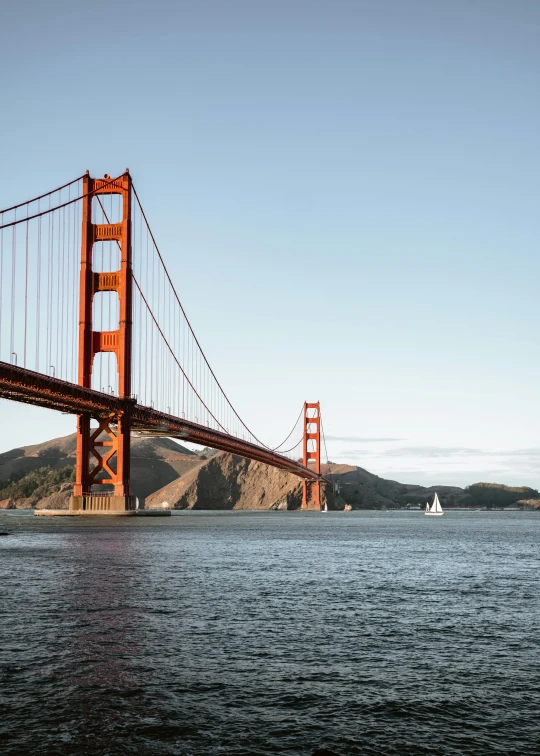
167, 474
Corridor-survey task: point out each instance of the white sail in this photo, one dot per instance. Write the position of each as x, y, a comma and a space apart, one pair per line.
435, 508
427, 507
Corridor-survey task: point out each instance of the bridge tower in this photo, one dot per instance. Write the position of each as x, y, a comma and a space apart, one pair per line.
311, 498
108, 445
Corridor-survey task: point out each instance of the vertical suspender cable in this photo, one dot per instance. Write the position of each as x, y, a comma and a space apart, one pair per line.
48, 302
13, 279
1, 282
56, 280
38, 290
63, 293
25, 297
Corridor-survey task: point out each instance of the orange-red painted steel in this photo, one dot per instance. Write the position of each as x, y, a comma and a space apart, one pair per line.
109, 445
22, 385
311, 498
113, 466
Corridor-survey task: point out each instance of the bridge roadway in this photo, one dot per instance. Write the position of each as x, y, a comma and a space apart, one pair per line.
21, 385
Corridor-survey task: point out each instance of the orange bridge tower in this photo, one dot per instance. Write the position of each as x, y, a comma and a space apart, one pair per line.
107, 447
311, 498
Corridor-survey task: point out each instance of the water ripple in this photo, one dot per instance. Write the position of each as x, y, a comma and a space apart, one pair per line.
261, 633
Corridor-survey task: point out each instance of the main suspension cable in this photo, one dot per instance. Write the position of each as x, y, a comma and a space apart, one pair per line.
41, 196
290, 434
174, 356
324, 441
189, 324
286, 451
58, 207
104, 183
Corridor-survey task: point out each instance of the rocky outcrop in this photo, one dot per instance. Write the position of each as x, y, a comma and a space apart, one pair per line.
229, 482
57, 500
156, 462
528, 504
27, 503
166, 474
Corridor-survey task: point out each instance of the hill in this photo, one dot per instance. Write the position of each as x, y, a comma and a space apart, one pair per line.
31, 475
165, 473
491, 495
227, 481
364, 490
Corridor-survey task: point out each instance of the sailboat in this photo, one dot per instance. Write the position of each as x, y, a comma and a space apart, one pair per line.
435, 508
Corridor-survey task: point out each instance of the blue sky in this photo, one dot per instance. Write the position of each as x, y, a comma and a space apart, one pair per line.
346, 194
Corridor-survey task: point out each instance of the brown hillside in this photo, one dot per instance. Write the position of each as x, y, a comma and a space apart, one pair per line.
60, 452
167, 474
227, 481
364, 490
154, 463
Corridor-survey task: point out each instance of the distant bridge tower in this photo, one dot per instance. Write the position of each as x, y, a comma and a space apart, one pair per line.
108, 445
311, 498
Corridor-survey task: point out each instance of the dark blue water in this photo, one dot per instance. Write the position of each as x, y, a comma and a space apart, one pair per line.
264, 633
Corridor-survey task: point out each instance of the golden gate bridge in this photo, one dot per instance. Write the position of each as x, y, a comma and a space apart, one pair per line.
91, 325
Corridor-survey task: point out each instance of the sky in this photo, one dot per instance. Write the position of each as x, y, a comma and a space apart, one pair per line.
346, 195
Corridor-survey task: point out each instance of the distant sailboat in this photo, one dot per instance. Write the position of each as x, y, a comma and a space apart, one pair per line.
435, 508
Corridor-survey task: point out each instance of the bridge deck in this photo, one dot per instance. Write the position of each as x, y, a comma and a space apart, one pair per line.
22, 385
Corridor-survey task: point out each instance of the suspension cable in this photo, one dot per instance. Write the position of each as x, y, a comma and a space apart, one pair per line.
324, 441
77, 199
41, 196
58, 207
189, 324
159, 328
329, 472
174, 356
286, 451
290, 434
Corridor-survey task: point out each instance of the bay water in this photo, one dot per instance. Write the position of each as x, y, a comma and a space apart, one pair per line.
247, 633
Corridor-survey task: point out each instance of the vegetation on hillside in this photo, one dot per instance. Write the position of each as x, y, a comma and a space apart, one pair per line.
37, 483
373, 494
498, 495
